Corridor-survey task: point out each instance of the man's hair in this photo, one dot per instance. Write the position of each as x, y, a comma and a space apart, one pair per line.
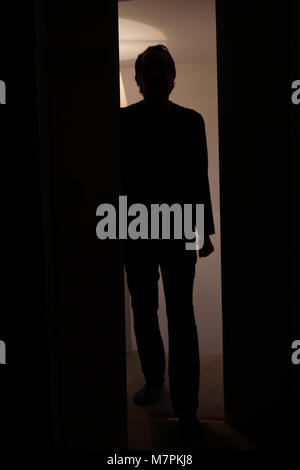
139, 64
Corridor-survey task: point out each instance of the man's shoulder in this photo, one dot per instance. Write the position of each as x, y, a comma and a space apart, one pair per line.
188, 113
132, 108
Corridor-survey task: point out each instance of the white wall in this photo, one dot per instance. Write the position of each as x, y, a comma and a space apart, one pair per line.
195, 87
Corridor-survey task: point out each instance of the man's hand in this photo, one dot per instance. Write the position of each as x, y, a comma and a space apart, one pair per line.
207, 248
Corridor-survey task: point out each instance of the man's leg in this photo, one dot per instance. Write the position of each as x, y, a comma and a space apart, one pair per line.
178, 272
142, 271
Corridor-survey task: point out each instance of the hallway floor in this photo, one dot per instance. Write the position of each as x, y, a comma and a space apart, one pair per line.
155, 427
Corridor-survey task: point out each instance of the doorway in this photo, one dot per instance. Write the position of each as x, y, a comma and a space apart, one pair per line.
142, 24
257, 325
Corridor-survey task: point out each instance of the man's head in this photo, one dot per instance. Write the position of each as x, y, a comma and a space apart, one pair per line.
155, 72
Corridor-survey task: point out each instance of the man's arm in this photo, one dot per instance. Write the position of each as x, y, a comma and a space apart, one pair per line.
207, 247
209, 228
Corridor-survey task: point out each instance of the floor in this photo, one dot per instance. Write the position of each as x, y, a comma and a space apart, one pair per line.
155, 427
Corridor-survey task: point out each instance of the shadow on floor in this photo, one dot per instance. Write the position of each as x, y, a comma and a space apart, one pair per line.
155, 427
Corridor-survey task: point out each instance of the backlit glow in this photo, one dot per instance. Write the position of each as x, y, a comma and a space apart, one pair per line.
135, 37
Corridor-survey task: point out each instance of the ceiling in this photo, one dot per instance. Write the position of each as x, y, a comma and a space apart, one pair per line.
186, 27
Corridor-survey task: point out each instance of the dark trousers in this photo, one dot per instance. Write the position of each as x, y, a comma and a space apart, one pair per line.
142, 261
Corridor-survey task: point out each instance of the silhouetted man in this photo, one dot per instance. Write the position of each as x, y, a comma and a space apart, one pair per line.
164, 160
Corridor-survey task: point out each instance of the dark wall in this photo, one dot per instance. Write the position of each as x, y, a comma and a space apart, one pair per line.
79, 128
25, 405
62, 313
257, 62
294, 122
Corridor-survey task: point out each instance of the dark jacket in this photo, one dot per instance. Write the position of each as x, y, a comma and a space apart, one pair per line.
164, 157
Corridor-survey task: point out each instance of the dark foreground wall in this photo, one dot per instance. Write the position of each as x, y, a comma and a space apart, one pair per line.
24, 379
62, 316
258, 58
78, 114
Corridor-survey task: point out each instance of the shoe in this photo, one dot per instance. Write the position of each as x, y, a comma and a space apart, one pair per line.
190, 428
148, 394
